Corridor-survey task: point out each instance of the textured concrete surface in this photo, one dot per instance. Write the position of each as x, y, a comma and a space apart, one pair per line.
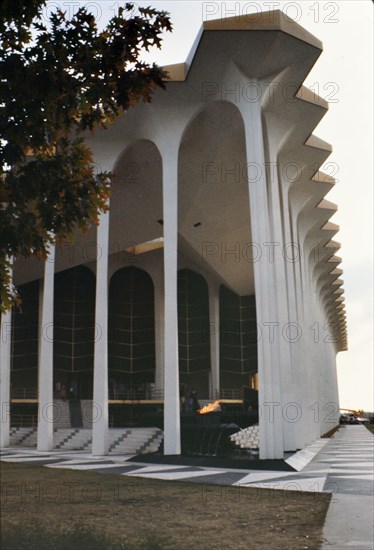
350, 518
349, 522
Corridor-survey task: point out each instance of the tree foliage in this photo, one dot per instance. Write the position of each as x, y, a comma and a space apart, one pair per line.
60, 79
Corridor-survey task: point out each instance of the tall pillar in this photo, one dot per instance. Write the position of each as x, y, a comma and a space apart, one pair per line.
100, 424
313, 361
172, 443
291, 262
45, 361
214, 333
269, 368
159, 337
5, 359
287, 330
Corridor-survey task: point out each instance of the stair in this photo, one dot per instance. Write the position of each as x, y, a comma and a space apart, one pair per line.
72, 439
249, 438
121, 440
23, 437
135, 440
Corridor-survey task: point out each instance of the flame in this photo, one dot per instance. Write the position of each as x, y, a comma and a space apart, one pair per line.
211, 407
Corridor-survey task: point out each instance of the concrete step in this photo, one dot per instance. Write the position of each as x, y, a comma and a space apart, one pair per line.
249, 438
78, 439
25, 437
135, 440
121, 440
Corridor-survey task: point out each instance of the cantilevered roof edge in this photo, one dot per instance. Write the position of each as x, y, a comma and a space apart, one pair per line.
271, 20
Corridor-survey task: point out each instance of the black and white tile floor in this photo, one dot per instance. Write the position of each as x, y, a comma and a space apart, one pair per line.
342, 464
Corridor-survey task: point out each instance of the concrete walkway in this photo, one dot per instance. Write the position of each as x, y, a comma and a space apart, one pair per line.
350, 517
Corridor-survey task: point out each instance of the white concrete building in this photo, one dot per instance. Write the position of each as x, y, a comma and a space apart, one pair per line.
214, 268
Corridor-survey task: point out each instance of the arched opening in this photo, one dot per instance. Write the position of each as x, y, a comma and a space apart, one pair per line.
213, 200
193, 332
74, 333
215, 232
131, 334
136, 201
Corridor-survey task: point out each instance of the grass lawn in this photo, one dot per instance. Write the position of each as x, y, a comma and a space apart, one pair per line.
370, 427
45, 508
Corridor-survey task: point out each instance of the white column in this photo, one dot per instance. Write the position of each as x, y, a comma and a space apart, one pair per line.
269, 369
282, 304
172, 443
295, 310
5, 359
159, 336
100, 424
313, 362
45, 362
214, 332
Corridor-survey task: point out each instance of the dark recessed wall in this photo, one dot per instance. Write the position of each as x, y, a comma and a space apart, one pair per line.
131, 325
131, 331
193, 331
74, 320
25, 322
238, 338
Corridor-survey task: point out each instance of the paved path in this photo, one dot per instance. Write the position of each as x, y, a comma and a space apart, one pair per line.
342, 465
350, 517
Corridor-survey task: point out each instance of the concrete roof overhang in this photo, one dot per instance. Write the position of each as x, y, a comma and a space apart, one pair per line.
268, 49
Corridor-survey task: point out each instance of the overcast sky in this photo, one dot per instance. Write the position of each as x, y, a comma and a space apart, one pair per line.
343, 74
